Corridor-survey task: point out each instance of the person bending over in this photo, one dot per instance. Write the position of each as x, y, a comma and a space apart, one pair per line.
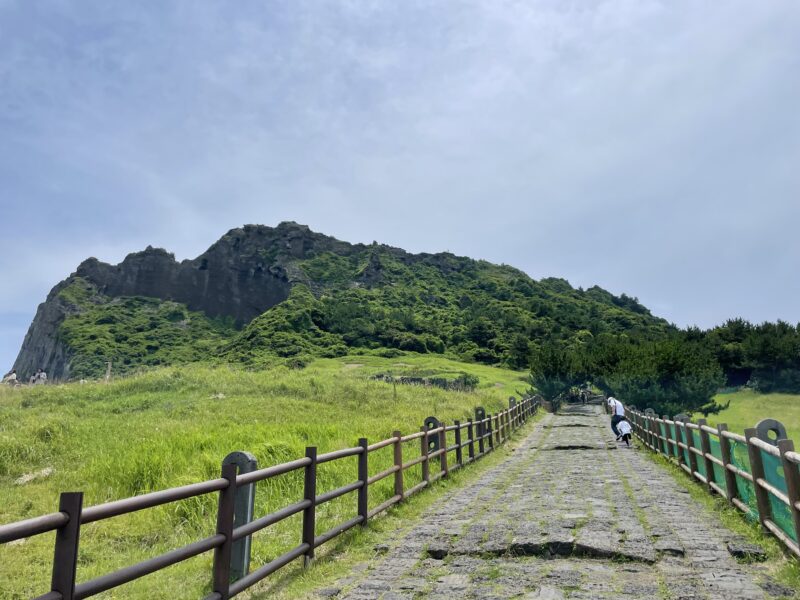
617, 414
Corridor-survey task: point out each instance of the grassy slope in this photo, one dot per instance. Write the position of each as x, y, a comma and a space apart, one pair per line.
167, 428
748, 408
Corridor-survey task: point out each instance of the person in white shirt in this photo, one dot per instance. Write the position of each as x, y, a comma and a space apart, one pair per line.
617, 414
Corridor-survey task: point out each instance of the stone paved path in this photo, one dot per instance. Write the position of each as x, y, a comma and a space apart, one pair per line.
569, 515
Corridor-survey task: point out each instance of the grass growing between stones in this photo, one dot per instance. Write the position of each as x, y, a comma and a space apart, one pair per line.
173, 426
779, 565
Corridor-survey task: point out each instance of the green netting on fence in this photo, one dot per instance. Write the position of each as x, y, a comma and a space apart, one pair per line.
682, 438
744, 488
663, 429
716, 452
698, 444
773, 473
673, 448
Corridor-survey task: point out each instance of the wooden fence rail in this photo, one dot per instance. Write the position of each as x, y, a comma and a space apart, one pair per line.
479, 437
758, 472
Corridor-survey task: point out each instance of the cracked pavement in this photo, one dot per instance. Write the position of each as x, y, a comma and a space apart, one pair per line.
570, 514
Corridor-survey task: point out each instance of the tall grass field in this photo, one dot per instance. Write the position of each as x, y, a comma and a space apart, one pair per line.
748, 408
173, 426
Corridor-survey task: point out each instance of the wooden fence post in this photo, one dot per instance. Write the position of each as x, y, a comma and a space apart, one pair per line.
479, 430
225, 517
459, 454
491, 433
791, 473
497, 432
471, 441
426, 465
243, 504
705, 448
725, 450
443, 448
398, 463
310, 512
757, 471
363, 477
65, 556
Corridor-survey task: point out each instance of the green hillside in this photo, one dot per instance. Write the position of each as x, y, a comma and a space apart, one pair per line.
172, 426
342, 298
748, 407
135, 332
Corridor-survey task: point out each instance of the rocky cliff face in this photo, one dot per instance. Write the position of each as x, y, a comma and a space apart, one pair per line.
246, 272
152, 310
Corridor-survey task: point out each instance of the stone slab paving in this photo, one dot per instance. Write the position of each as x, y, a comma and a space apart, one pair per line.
571, 514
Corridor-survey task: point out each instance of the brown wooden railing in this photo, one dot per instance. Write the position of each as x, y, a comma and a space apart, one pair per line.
758, 472
478, 437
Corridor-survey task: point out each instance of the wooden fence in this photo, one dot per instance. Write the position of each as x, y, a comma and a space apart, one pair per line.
758, 472
470, 441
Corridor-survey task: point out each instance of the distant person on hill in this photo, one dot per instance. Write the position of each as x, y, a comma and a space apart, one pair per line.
617, 414
625, 430
11, 378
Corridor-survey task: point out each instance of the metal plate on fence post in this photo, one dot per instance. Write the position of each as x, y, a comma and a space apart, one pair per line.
433, 440
767, 426
242, 512
480, 415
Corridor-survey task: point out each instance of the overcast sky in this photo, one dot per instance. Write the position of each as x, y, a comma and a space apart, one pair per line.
649, 147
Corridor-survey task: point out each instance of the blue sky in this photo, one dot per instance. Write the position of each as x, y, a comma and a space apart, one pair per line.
650, 147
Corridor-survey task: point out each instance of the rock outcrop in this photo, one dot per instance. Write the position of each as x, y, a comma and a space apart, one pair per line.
356, 296
242, 275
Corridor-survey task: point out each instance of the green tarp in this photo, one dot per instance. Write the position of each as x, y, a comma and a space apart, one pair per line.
716, 452
773, 473
697, 443
744, 488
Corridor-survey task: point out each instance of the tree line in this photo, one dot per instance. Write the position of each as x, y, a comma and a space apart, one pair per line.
679, 372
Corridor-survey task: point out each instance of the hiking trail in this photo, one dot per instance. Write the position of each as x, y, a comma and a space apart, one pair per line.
570, 514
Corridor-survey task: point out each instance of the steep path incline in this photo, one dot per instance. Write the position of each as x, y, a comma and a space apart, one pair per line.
570, 515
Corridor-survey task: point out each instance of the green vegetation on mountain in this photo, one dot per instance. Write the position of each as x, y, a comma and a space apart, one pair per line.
344, 298
264, 296
135, 332
383, 298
